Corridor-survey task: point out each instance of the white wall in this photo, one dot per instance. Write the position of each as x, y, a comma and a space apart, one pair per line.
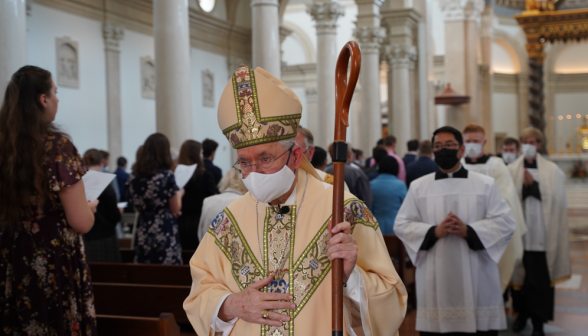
138, 113
503, 59
505, 113
82, 111
572, 59
204, 119
293, 52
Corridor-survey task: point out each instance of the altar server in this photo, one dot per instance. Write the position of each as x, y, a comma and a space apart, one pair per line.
476, 160
264, 266
546, 260
455, 226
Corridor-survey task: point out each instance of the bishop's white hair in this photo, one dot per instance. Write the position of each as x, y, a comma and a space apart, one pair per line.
287, 143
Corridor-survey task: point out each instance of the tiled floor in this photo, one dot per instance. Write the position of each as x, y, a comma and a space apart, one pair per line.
571, 304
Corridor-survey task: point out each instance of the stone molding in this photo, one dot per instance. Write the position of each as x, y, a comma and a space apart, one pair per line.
400, 54
113, 34
255, 3
370, 38
462, 10
325, 14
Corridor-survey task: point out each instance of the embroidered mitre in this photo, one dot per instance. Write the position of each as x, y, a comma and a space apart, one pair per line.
256, 107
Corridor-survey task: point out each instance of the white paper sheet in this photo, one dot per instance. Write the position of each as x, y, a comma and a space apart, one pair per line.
183, 174
95, 183
122, 204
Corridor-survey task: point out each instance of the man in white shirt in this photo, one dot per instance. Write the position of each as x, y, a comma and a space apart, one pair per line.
455, 226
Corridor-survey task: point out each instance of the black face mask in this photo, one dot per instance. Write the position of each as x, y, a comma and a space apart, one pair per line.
446, 158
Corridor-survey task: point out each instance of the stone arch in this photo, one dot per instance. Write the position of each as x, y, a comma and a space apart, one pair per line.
302, 38
517, 51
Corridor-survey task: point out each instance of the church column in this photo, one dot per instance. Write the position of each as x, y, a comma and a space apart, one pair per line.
370, 35
462, 18
112, 35
486, 77
400, 105
266, 36
325, 14
171, 29
13, 40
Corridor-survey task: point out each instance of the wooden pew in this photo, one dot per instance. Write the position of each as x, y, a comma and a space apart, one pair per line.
145, 274
164, 325
128, 255
140, 300
124, 243
404, 267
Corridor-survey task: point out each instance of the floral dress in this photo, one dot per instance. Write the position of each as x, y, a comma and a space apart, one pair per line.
44, 278
157, 239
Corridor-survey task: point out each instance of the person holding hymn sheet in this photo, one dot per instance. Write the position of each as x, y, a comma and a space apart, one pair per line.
264, 266
455, 226
546, 260
476, 160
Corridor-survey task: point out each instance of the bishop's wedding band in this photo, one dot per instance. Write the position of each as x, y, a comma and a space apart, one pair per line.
265, 314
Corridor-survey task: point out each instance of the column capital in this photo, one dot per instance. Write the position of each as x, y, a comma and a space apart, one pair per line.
400, 54
462, 10
325, 14
370, 38
113, 34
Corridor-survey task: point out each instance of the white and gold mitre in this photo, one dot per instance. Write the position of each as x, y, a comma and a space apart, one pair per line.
257, 108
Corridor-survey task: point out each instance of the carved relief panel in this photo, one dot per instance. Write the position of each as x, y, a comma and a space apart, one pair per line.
208, 88
67, 62
147, 77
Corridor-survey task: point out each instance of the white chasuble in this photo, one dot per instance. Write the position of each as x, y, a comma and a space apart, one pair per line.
458, 288
229, 259
554, 208
513, 256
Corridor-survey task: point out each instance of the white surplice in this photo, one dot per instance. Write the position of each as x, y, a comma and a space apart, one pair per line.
513, 256
458, 289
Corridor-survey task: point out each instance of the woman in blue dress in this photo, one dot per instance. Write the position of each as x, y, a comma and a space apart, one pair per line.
155, 196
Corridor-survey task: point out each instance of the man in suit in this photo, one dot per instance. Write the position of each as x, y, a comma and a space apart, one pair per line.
208, 151
424, 165
411, 155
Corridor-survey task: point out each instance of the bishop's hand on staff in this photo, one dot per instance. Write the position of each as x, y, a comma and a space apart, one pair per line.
263, 267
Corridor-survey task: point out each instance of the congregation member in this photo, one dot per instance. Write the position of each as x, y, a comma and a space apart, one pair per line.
43, 212
370, 161
355, 179
175, 156
209, 147
105, 163
411, 155
155, 196
231, 187
541, 186
390, 146
510, 150
378, 153
389, 193
245, 283
102, 241
475, 160
357, 160
455, 226
199, 187
305, 140
122, 177
424, 165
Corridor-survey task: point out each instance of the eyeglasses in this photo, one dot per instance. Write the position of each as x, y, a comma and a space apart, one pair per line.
451, 145
263, 163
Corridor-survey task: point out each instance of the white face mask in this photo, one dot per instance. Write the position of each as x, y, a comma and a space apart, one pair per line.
509, 157
473, 150
529, 151
267, 187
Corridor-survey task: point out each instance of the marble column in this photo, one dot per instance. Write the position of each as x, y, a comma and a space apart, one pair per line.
414, 102
486, 37
462, 19
325, 14
171, 31
312, 112
400, 112
266, 36
13, 40
113, 34
370, 36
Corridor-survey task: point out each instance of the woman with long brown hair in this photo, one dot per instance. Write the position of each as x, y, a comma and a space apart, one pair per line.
200, 186
44, 276
154, 194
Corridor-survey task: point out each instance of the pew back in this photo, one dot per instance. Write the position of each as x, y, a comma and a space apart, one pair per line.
146, 274
164, 325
